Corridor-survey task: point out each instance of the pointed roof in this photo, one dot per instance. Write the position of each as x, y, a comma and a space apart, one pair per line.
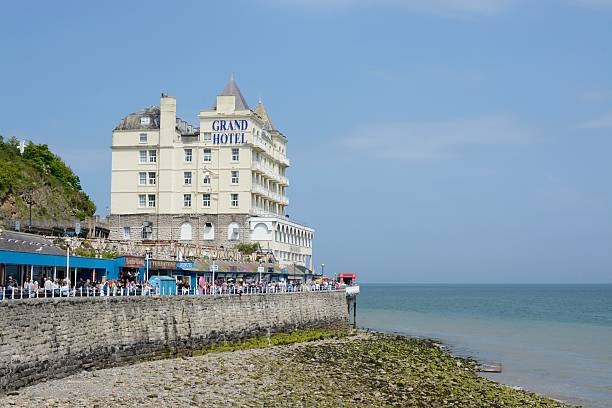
231, 89
263, 113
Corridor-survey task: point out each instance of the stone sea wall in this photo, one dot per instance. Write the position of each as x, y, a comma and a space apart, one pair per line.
42, 339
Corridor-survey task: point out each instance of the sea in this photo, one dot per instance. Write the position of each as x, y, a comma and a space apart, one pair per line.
555, 340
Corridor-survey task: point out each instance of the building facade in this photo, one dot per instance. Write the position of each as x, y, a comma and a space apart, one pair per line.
218, 184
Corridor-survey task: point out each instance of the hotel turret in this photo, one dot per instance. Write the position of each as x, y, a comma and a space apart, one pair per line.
218, 184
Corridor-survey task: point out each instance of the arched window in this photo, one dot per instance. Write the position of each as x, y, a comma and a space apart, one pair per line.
260, 232
186, 232
233, 231
209, 231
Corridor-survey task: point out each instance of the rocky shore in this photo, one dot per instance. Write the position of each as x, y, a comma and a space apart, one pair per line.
334, 370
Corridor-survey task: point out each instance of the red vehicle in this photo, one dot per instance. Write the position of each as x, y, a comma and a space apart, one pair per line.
348, 278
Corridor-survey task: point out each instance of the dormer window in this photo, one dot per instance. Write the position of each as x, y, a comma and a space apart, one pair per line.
145, 121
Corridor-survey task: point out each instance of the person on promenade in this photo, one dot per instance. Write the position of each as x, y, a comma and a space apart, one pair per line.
147, 288
33, 288
202, 285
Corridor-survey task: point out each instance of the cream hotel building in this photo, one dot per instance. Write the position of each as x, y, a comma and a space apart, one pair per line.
217, 185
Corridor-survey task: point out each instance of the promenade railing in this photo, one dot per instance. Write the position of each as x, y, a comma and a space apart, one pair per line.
7, 294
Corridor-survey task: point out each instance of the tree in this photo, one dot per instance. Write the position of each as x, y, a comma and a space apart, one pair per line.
247, 249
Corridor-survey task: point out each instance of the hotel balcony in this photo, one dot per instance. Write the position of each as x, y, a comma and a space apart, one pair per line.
269, 194
260, 167
258, 189
260, 212
270, 173
258, 143
284, 181
284, 160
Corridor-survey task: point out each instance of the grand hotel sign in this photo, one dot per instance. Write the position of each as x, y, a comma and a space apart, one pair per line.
229, 132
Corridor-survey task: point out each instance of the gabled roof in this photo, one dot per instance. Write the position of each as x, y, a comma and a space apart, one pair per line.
231, 89
263, 113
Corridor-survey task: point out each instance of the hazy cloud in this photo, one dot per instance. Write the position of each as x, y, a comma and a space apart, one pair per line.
435, 140
595, 95
595, 3
600, 122
444, 7
451, 8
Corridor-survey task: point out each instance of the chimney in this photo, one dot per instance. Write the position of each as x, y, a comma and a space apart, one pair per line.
167, 120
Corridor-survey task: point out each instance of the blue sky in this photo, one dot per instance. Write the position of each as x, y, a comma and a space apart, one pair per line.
439, 141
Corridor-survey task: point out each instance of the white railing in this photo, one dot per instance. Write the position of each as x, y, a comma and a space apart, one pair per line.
15, 294
269, 172
263, 213
259, 143
283, 180
259, 189
284, 160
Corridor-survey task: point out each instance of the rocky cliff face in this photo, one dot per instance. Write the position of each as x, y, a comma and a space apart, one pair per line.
40, 175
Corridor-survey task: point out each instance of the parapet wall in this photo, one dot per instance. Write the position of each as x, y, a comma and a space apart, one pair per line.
42, 339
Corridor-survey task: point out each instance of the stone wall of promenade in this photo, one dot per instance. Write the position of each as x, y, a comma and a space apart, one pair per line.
42, 339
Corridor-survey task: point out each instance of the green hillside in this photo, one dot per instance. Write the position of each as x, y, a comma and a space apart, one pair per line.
56, 190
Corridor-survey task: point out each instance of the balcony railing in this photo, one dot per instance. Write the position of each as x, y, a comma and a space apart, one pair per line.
263, 213
270, 173
273, 195
284, 160
260, 144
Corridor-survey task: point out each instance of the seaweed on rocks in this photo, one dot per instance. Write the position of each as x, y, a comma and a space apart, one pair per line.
323, 369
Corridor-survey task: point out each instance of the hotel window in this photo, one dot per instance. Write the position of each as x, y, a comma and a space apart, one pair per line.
234, 199
206, 179
152, 178
127, 232
147, 233
143, 138
186, 200
142, 200
187, 177
206, 200
233, 232
188, 155
142, 178
143, 156
145, 121
234, 176
207, 155
209, 231
151, 200
152, 156
235, 154
207, 136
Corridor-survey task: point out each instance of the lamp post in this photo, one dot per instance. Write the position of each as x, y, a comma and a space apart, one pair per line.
213, 267
147, 257
30, 202
260, 270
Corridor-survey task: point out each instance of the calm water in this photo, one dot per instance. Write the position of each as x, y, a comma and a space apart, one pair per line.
552, 339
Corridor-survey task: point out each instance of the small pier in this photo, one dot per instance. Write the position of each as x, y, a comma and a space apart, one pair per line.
351, 302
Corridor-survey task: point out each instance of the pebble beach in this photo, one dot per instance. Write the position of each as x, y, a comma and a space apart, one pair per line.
361, 369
